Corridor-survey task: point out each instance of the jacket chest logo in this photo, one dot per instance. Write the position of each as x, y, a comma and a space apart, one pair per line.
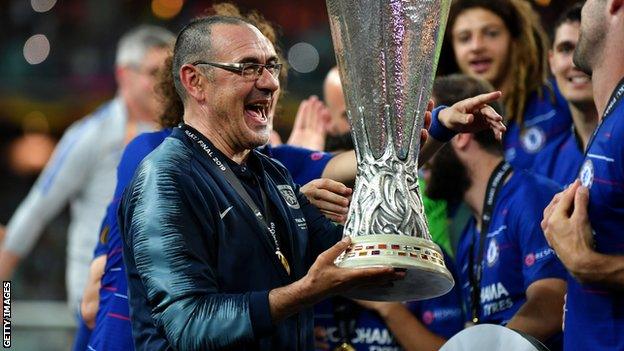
289, 196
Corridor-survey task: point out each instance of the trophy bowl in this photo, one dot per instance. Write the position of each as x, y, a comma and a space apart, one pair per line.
387, 53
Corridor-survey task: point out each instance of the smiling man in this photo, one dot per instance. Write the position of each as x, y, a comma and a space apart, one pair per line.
220, 246
562, 158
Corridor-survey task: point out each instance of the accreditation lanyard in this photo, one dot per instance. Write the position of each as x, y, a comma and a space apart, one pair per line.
495, 184
616, 96
263, 219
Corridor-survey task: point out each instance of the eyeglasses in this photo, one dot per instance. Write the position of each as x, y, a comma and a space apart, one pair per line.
247, 69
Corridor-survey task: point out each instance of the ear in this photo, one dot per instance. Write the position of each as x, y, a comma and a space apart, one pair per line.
462, 140
192, 81
615, 6
121, 76
550, 60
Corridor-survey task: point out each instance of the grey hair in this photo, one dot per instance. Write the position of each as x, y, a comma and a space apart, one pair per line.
194, 44
134, 45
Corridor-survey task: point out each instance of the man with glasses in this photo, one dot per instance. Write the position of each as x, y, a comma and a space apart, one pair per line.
220, 247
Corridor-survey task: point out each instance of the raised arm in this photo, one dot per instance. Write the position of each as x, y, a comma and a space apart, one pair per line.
61, 179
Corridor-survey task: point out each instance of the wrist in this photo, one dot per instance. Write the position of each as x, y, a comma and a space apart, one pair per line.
438, 129
589, 267
387, 310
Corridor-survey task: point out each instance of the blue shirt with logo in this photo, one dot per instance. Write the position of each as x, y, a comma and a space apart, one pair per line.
441, 315
561, 159
516, 253
594, 314
545, 119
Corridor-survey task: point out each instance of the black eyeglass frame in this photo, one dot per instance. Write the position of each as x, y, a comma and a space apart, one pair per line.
242, 67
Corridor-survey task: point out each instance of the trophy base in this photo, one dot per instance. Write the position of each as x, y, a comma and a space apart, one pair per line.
426, 274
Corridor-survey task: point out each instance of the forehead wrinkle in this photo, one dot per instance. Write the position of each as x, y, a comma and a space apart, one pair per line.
235, 46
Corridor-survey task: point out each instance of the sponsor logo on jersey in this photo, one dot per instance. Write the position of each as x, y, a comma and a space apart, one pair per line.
289, 196
533, 139
316, 156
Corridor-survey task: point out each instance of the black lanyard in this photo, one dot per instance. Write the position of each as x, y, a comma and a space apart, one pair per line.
263, 219
495, 184
616, 96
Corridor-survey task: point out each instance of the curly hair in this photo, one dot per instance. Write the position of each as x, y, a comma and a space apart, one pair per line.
528, 68
173, 106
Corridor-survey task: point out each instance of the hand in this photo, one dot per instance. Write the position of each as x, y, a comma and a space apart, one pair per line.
325, 279
567, 228
474, 115
382, 308
2, 233
330, 197
310, 126
424, 133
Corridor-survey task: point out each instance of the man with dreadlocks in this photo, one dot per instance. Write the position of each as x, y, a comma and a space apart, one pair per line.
502, 42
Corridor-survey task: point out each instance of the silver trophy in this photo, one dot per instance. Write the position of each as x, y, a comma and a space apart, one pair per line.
387, 53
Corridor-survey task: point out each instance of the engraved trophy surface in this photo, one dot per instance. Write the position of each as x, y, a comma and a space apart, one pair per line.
387, 53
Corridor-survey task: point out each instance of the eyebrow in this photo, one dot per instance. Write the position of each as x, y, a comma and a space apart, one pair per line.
253, 59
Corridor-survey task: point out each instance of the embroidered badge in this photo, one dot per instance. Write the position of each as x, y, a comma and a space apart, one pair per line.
289, 196
533, 139
586, 175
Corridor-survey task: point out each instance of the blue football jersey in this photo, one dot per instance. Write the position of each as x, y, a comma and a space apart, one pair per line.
594, 315
516, 253
560, 160
545, 118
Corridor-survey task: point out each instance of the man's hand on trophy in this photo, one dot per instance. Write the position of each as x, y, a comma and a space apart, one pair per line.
310, 127
474, 115
325, 278
424, 133
330, 197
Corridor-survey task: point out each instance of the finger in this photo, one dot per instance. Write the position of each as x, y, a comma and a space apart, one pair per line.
490, 114
551, 206
307, 112
374, 276
427, 120
566, 200
330, 255
331, 206
424, 135
581, 199
299, 116
430, 105
334, 217
333, 186
479, 100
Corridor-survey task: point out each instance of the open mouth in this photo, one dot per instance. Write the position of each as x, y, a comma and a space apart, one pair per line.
480, 66
579, 79
257, 113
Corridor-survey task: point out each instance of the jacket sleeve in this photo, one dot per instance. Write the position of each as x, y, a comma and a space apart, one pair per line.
62, 178
323, 233
168, 224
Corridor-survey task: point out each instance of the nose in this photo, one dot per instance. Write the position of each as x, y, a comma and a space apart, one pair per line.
267, 81
476, 43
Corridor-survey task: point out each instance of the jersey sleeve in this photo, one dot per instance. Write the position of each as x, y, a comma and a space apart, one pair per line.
62, 179
538, 259
304, 165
